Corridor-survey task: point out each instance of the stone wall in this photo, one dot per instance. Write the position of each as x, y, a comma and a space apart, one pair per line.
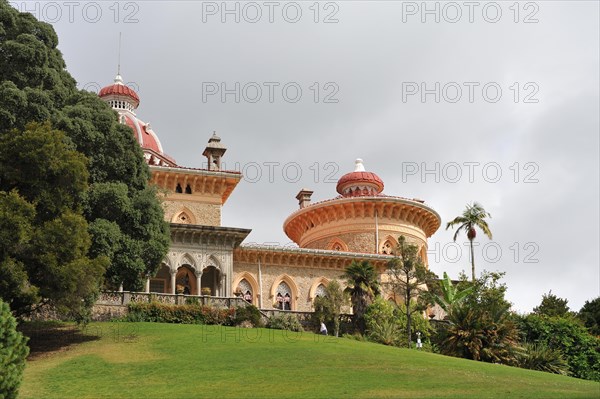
364, 242
300, 280
201, 213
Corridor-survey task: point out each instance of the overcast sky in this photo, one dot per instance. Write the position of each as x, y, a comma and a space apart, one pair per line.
487, 102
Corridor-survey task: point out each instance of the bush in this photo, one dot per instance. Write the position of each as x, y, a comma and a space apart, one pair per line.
386, 323
580, 349
13, 351
285, 322
542, 358
183, 314
381, 323
250, 314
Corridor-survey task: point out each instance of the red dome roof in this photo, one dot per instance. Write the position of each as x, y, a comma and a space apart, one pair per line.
144, 136
360, 181
119, 89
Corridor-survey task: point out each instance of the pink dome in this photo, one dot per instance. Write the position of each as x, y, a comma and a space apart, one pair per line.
118, 89
359, 182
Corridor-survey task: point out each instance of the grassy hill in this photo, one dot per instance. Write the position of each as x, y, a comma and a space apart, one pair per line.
151, 360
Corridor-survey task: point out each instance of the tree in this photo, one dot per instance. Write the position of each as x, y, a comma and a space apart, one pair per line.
13, 351
589, 314
36, 87
451, 295
481, 327
552, 305
330, 306
580, 349
473, 216
361, 278
408, 277
45, 237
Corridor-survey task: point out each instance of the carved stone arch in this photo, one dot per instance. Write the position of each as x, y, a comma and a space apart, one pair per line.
313, 288
187, 259
171, 261
337, 244
290, 283
184, 216
253, 284
388, 245
213, 260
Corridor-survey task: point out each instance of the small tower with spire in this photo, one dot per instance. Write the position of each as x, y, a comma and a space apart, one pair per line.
214, 152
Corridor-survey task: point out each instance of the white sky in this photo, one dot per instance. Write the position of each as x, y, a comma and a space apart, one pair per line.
545, 203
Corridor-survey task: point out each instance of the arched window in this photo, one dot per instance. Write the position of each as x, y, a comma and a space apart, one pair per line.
387, 248
337, 245
245, 289
183, 218
178, 188
188, 189
284, 296
320, 291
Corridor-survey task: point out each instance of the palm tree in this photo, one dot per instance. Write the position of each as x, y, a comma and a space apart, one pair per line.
363, 286
473, 216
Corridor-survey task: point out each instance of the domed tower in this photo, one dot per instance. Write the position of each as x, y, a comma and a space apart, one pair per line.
125, 101
361, 219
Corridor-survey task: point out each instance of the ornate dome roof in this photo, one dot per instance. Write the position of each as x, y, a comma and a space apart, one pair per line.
124, 100
120, 91
359, 182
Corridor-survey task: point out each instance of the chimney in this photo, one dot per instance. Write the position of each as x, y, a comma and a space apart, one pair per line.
303, 197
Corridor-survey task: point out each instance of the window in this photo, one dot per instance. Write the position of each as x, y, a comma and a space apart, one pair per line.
320, 291
188, 189
157, 285
246, 289
178, 188
388, 248
183, 218
284, 297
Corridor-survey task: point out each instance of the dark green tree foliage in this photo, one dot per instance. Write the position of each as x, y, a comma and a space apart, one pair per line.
580, 349
363, 286
35, 87
329, 307
45, 243
408, 278
552, 306
589, 314
13, 351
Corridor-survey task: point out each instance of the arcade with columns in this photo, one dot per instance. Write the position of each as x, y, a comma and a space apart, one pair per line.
205, 258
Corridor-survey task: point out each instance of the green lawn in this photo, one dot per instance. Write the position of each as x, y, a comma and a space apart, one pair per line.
151, 360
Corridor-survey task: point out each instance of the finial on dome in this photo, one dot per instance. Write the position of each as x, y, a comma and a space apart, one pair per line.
214, 137
118, 79
359, 165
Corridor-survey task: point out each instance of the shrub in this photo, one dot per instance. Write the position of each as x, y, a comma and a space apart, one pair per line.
13, 351
386, 323
249, 314
580, 349
183, 314
538, 356
381, 323
285, 322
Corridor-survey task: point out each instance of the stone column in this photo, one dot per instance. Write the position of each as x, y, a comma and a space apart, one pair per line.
198, 283
173, 274
147, 291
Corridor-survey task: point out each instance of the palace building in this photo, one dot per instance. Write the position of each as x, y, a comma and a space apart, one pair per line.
206, 258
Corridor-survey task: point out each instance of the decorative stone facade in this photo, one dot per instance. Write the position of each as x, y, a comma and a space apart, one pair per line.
361, 223
190, 211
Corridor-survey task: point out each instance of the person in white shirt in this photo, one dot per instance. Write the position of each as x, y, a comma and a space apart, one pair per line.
323, 329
